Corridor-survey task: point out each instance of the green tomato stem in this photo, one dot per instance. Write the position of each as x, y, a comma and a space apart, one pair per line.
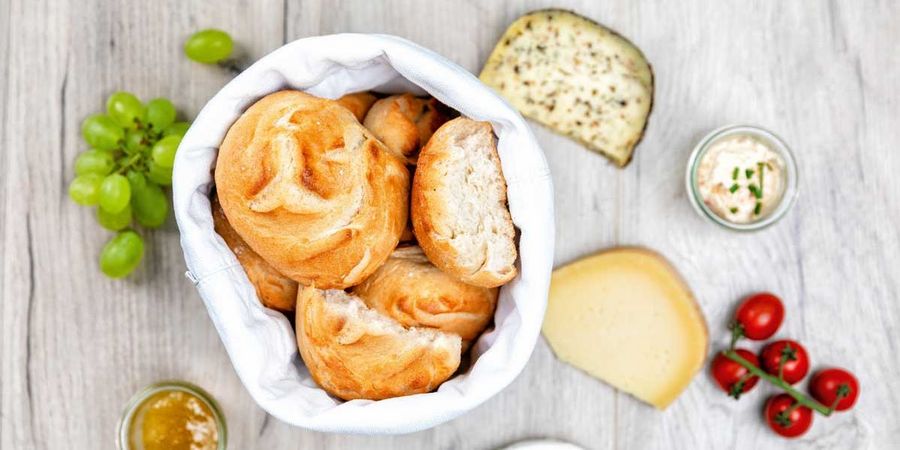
797, 395
737, 331
843, 391
781, 362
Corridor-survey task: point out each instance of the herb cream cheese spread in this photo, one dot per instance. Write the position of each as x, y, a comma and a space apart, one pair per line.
741, 178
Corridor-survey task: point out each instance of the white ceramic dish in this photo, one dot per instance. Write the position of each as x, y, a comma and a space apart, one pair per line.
542, 444
260, 342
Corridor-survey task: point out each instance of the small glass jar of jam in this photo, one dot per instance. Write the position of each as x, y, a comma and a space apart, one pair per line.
172, 415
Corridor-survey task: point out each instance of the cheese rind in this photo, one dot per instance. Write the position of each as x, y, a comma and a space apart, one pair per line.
576, 77
625, 316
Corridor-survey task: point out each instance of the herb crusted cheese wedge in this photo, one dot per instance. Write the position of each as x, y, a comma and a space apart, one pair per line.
576, 77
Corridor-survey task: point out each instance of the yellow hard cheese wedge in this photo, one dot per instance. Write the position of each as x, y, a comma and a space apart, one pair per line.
626, 317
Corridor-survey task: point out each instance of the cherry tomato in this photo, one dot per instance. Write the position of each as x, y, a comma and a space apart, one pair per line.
796, 365
827, 383
732, 377
760, 315
789, 424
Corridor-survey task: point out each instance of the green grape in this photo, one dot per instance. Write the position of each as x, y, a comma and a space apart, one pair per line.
159, 174
160, 113
94, 161
209, 46
177, 129
115, 193
164, 151
135, 141
136, 180
85, 189
101, 132
125, 109
114, 222
122, 254
150, 205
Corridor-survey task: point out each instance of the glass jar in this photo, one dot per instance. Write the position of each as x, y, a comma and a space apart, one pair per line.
767, 138
134, 417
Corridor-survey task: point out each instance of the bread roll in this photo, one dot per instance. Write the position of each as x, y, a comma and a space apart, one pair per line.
358, 103
273, 289
407, 235
459, 211
405, 122
354, 352
311, 190
412, 291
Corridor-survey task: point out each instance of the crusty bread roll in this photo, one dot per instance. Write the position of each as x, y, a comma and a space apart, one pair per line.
354, 352
358, 103
459, 211
274, 290
412, 291
407, 235
311, 190
405, 122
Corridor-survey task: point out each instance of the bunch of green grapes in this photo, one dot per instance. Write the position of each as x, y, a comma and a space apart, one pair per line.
130, 161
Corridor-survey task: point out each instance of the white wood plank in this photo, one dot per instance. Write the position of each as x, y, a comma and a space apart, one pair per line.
76, 345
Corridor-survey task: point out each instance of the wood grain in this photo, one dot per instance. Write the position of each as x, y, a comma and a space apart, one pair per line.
74, 345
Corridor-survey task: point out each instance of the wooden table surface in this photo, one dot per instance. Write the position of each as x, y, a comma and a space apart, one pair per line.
75, 345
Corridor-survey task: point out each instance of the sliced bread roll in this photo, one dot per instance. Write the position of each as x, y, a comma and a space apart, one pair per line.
459, 210
576, 77
354, 352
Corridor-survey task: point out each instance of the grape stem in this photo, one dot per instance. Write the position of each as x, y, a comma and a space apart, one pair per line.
797, 395
233, 66
129, 163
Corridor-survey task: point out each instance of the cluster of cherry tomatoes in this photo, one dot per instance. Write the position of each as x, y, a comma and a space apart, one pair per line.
783, 363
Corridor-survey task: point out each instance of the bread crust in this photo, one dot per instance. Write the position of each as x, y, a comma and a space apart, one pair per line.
436, 220
273, 289
311, 190
358, 103
412, 291
405, 122
355, 353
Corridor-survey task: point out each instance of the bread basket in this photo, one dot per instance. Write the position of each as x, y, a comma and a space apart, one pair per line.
260, 342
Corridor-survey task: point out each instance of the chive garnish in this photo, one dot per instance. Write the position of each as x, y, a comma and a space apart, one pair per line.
748, 173
761, 179
757, 208
733, 188
755, 190
733, 210
734, 173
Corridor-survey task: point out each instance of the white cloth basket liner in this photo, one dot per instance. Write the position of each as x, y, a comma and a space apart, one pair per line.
259, 341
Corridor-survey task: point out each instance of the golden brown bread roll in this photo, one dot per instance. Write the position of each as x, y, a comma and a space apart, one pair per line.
412, 291
459, 211
358, 103
311, 190
407, 235
405, 122
274, 290
354, 352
